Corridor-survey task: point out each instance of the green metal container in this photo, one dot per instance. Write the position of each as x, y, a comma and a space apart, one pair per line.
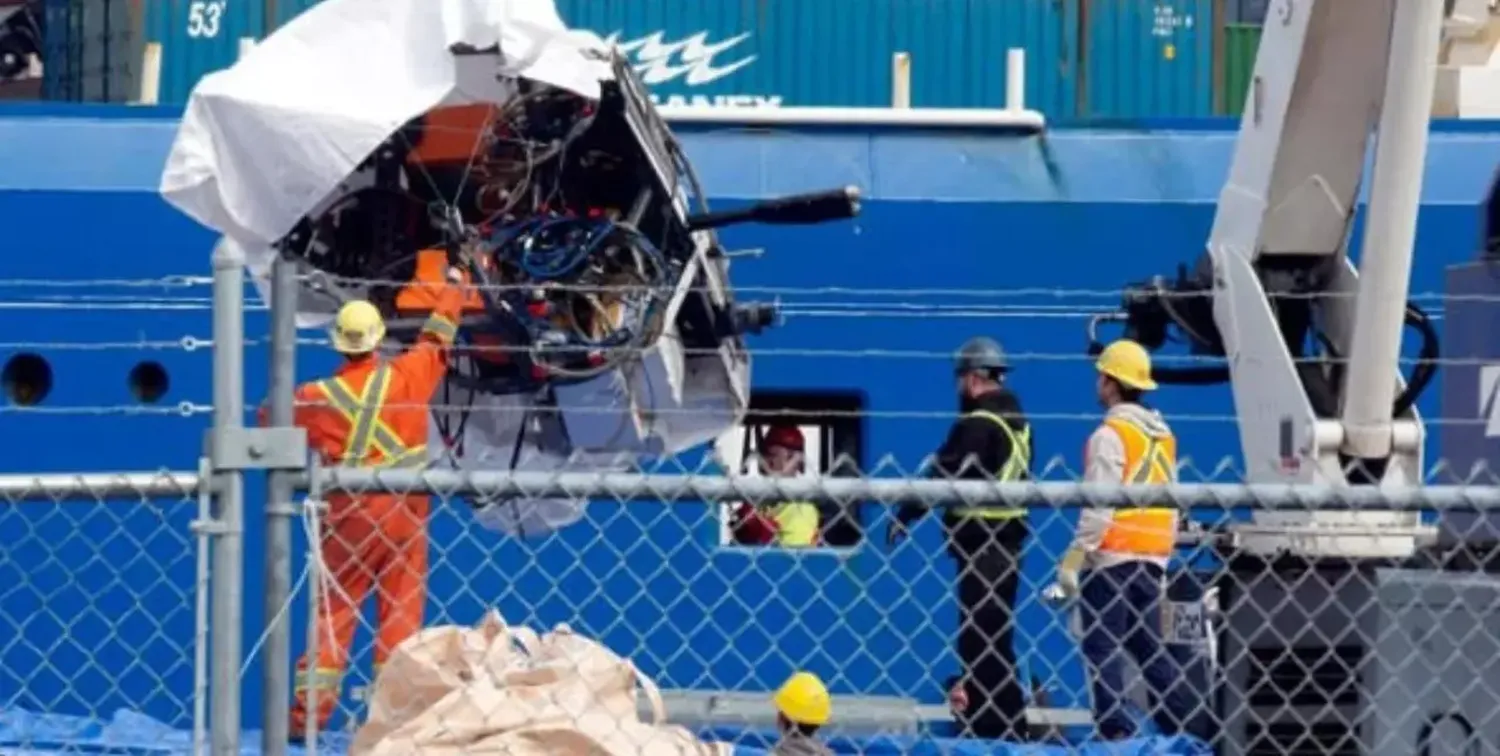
1240, 44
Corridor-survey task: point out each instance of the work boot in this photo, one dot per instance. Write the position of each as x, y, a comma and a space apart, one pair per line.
297, 729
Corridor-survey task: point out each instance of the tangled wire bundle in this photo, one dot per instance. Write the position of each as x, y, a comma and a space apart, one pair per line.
582, 294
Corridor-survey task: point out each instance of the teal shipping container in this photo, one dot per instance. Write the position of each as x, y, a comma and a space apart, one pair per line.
1147, 59
199, 36
838, 52
1084, 58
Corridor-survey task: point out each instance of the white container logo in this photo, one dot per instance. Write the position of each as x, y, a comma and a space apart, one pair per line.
692, 60
659, 61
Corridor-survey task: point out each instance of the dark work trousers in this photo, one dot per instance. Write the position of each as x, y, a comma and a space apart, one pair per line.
1121, 611
988, 553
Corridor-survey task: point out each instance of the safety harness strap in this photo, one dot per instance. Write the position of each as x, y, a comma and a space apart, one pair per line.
1020, 447
1150, 531
363, 428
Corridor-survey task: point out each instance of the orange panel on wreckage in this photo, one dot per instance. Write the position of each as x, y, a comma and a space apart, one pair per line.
420, 296
449, 137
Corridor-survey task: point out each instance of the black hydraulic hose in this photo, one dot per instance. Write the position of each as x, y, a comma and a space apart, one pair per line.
1208, 375
1427, 357
1421, 377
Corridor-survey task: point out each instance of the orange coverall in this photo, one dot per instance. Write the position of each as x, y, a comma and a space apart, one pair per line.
372, 413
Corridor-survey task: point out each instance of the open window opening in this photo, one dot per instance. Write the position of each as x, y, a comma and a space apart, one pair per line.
830, 428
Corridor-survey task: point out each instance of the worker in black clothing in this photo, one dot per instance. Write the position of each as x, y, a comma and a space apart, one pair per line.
990, 440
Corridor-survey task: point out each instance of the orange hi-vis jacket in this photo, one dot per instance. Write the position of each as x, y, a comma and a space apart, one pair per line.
372, 413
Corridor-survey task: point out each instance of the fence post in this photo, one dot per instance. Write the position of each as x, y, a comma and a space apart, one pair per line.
276, 690
227, 580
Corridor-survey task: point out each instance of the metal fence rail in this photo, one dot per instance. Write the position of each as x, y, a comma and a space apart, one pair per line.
709, 486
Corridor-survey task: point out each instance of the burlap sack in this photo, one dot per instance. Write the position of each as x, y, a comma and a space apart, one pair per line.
494, 689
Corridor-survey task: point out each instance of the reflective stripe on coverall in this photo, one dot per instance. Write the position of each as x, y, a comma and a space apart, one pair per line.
1014, 469
375, 414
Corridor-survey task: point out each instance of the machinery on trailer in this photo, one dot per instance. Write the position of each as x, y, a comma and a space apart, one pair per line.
1321, 606
604, 327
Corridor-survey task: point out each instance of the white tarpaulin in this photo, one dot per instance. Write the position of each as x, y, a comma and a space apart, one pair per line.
264, 142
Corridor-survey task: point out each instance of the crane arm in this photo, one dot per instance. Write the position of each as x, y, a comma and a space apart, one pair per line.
1312, 346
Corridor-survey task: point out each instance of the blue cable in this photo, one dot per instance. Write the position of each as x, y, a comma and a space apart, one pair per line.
555, 248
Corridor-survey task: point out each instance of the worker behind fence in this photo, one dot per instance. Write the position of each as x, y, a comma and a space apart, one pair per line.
371, 413
802, 708
1116, 566
991, 440
782, 452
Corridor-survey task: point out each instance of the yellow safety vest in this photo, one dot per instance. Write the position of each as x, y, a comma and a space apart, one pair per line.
796, 523
1148, 531
1014, 469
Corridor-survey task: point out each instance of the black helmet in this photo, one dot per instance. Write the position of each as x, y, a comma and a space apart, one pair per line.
980, 353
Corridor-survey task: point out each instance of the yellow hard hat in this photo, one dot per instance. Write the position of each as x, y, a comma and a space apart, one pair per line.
803, 699
1127, 362
358, 328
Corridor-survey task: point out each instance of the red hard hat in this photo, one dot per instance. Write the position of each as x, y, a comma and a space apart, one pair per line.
785, 436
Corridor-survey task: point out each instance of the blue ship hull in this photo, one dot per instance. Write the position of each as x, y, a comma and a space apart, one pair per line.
102, 608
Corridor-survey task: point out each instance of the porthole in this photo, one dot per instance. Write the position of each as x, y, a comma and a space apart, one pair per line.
27, 379
148, 382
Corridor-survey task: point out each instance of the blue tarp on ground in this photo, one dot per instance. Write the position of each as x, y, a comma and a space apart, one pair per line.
24, 733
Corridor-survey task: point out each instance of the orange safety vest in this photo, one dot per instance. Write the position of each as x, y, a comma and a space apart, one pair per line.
1149, 459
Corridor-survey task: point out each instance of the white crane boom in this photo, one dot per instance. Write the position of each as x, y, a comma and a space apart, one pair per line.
1312, 347
1326, 72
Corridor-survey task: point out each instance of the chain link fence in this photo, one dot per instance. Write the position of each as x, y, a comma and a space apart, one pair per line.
105, 591
1253, 652
121, 590
1268, 653
124, 595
